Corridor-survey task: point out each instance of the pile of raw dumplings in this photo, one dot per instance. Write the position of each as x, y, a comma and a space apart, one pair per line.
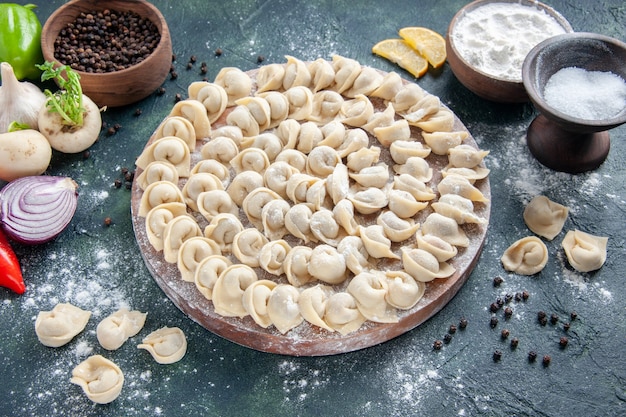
100, 378
303, 205
546, 218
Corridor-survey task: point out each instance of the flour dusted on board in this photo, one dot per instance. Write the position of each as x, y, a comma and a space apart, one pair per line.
496, 37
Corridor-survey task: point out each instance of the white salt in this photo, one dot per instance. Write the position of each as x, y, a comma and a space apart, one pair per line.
496, 37
589, 95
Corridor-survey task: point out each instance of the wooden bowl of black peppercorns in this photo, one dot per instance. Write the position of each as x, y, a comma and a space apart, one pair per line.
122, 50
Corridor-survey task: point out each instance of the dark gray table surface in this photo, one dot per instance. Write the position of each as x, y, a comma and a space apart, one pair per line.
100, 268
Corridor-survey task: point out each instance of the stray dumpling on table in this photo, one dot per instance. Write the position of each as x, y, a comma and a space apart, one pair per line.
526, 256
545, 217
166, 345
585, 252
57, 327
100, 379
115, 329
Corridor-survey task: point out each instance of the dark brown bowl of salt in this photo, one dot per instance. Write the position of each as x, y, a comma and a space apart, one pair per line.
577, 82
122, 50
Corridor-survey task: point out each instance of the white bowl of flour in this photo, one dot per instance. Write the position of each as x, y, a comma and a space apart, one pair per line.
488, 41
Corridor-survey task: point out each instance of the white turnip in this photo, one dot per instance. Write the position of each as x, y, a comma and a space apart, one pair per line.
69, 119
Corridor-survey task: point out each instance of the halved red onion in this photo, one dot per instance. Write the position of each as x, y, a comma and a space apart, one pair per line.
36, 209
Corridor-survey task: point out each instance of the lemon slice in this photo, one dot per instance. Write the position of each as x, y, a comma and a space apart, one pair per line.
427, 43
400, 52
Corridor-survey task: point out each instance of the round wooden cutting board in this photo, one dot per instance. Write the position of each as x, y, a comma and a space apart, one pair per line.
306, 339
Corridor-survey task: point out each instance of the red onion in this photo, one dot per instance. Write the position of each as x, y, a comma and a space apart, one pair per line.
36, 209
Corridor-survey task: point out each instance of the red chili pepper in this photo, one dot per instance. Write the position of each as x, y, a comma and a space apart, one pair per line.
10, 272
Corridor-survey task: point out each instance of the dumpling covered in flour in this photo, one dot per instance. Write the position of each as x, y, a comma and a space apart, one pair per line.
57, 327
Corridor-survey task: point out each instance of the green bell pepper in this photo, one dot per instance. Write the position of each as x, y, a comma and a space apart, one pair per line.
20, 39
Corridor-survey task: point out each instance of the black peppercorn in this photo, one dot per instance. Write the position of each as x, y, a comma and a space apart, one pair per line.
189, 65
160, 91
518, 296
138, 112
499, 302
107, 221
452, 329
566, 326
497, 355
563, 342
514, 343
554, 319
505, 333
546, 360
86, 154
192, 59
260, 59
494, 307
178, 97
493, 322
525, 295
508, 298
573, 315
447, 338
218, 52
497, 281
532, 356
463, 323
437, 344
173, 75
111, 131
117, 183
508, 312
542, 317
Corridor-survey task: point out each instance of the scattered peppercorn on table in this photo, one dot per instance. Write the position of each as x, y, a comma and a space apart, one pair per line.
547, 344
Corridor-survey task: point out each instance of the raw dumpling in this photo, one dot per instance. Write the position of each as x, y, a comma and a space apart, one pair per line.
246, 246
466, 156
372, 176
312, 304
115, 329
212, 96
441, 249
276, 176
242, 118
417, 188
545, 217
177, 126
166, 345
442, 121
195, 112
424, 266
251, 159
207, 273
333, 133
176, 232
368, 80
527, 256
343, 212
442, 142
296, 266
584, 252
259, 109
403, 204
342, 313
346, 71
403, 291
197, 184
325, 228
236, 83
425, 107
157, 219
57, 327
255, 299
322, 161
296, 73
297, 222
255, 201
446, 229
215, 202
363, 158
300, 100
354, 252
192, 252
157, 171
322, 74
288, 131
459, 208
417, 167
282, 308
272, 256
402, 150
357, 111
242, 184
369, 201
216, 168
317, 195
398, 130
221, 149
298, 185
169, 149
456, 184
407, 96
397, 229
327, 265
100, 379
159, 192
273, 219
354, 140
338, 183
326, 106
270, 77
389, 86
279, 107
376, 243
369, 289
229, 288
309, 137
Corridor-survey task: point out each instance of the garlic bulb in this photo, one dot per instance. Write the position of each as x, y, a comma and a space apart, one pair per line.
20, 101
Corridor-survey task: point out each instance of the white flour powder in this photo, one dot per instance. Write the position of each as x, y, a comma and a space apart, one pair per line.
496, 37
